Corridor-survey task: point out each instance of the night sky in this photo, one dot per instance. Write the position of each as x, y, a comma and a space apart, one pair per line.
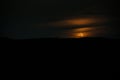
30, 18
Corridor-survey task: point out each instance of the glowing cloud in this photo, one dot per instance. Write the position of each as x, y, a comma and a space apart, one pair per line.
79, 21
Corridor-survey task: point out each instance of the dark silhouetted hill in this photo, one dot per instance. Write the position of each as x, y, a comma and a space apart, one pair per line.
62, 41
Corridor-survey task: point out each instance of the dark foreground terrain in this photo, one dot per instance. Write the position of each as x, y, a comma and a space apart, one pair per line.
102, 51
88, 41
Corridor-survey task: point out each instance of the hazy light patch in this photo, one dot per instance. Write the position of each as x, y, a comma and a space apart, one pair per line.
85, 32
82, 32
83, 21
79, 21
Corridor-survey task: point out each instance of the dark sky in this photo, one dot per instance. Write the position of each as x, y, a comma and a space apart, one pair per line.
19, 17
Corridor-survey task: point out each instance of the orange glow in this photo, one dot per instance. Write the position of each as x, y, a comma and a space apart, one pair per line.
85, 29
80, 21
84, 21
84, 32
80, 35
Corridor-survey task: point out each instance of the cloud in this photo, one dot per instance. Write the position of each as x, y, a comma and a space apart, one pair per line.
80, 21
